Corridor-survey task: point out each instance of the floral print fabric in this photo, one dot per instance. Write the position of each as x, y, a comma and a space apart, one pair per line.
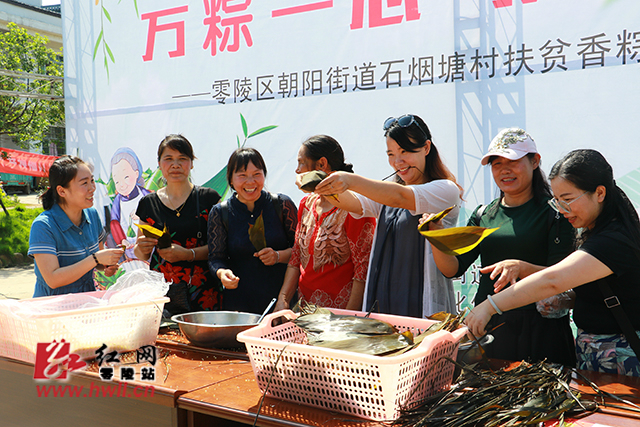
608, 353
331, 251
188, 230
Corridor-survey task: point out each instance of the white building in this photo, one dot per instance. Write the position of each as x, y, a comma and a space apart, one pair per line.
31, 15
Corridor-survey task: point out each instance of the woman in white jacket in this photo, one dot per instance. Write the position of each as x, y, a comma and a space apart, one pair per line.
402, 277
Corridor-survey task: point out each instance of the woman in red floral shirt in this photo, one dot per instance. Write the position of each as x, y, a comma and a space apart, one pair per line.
183, 209
331, 250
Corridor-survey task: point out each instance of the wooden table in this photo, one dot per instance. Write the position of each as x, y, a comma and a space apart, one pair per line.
199, 387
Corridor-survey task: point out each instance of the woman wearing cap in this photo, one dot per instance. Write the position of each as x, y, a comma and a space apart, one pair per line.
402, 276
604, 269
531, 236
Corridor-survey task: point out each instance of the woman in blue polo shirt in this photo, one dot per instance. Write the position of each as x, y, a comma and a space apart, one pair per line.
67, 239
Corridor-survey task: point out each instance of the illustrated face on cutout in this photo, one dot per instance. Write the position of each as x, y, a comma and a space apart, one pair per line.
125, 177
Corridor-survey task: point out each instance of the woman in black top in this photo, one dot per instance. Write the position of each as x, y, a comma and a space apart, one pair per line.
183, 209
609, 247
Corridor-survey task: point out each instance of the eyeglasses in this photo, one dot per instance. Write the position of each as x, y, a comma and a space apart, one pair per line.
561, 204
404, 122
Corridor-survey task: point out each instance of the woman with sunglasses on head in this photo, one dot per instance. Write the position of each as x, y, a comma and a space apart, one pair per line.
330, 255
67, 239
182, 208
402, 278
531, 236
250, 236
607, 260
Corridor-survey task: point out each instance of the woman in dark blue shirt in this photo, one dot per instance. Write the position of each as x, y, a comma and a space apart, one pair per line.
250, 263
66, 240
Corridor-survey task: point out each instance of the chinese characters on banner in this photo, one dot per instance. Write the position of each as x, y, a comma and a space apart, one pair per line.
227, 21
589, 51
228, 29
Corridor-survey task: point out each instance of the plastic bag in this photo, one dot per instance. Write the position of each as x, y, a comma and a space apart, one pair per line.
137, 286
556, 306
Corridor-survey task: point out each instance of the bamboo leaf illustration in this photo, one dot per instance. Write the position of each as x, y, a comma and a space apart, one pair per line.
244, 125
154, 181
106, 14
262, 130
109, 52
219, 182
95, 49
238, 138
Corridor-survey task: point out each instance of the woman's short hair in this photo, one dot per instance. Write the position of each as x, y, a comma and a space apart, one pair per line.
240, 158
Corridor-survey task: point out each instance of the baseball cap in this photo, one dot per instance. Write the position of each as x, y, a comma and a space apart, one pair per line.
511, 143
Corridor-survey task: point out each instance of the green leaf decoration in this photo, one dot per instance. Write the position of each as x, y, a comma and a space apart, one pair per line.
106, 14
219, 183
256, 234
135, 4
131, 232
262, 130
109, 52
95, 49
154, 182
111, 188
103, 282
244, 125
238, 138
146, 174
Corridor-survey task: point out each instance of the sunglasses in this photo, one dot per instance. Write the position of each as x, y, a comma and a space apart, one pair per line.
561, 204
404, 122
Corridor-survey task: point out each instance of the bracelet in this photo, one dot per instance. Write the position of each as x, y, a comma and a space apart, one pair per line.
278, 257
194, 255
494, 304
95, 258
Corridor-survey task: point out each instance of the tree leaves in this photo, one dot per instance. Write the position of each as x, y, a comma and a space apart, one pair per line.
29, 120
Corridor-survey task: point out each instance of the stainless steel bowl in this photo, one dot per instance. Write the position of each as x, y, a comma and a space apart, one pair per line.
215, 329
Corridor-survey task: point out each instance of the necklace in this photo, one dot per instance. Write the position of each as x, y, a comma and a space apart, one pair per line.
180, 208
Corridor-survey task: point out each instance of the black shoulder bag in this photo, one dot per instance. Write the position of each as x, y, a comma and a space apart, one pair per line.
613, 303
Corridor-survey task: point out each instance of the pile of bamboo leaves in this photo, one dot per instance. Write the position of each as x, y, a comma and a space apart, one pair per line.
525, 395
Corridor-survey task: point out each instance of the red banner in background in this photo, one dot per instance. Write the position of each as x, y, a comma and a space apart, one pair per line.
24, 163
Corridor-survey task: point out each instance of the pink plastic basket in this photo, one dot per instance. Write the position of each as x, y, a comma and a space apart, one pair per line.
371, 387
122, 327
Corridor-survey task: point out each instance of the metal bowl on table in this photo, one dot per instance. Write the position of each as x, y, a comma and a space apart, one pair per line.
215, 329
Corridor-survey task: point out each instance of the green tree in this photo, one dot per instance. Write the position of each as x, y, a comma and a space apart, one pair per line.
27, 119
